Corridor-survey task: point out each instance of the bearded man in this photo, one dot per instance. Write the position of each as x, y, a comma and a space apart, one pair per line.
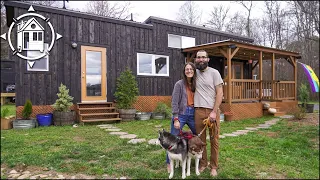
207, 99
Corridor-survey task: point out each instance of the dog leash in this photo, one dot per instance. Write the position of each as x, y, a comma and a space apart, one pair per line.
208, 124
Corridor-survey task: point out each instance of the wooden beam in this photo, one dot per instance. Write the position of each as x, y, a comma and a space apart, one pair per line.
234, 52
254, 66
266, 49
295, 67
292, 61
260, 75
229, 75
223, 53
188, 57
273, 74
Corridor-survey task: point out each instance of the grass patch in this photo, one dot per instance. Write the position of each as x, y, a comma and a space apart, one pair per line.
287, 150
11, 108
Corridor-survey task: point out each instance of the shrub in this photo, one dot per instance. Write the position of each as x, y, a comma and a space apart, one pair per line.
27, 110
304, 94
298, 112
126, 90
64, 101
163, 108
5, 112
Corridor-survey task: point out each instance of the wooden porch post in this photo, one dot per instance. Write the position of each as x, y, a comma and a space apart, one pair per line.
295, 78
229, 74
260, 75
273, 76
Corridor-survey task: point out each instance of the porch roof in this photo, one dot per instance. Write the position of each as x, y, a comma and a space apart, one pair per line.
246, 51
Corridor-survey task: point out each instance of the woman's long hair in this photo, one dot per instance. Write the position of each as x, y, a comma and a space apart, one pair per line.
193, 79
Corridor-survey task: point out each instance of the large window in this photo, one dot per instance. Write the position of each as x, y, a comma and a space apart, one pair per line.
175, 41
39, 64
152, 65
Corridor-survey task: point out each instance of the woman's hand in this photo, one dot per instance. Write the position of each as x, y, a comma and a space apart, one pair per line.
176, 124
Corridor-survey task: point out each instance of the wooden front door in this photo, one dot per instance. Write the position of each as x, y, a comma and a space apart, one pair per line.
93, 74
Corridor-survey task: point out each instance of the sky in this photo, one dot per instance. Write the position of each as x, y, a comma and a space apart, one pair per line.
168, 9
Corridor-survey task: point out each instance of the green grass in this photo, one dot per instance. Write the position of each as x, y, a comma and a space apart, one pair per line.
287, 150
12, 109
310, 102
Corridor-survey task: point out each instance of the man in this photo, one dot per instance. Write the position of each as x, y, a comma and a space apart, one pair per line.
207, 99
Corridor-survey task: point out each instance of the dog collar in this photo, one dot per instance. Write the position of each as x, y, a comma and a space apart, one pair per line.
169, 148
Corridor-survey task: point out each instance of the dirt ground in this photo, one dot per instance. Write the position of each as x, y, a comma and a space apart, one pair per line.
311, 119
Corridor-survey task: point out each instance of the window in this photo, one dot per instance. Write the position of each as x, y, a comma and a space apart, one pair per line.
39, 36
35, 36
39, 64
175, 41
152, 65
26, 39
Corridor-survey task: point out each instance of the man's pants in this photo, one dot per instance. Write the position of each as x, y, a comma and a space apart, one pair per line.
200, 115
187, 118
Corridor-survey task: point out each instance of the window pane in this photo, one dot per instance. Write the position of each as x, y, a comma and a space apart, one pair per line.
93, 73
40, 64
35, 36
145, 63
174, 41
161, 65
26, 40
39, 36
188, 42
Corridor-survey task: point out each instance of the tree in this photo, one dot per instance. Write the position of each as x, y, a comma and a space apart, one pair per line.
218, 17
248, 6
189, 13
47, 3
105, 8
4, 29
236, 25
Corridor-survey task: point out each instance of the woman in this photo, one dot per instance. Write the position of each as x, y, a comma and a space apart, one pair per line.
182, 102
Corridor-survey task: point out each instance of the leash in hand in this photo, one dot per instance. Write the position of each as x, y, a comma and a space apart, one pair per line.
208, 124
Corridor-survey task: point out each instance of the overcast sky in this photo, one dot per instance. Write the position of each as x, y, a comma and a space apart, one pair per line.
169, 9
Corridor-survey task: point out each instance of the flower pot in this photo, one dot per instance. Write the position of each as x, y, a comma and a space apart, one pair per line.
309, 108
143, 116
158, 115
6, 123
228, 117
24, 123
63, 118
127, 114
44, 119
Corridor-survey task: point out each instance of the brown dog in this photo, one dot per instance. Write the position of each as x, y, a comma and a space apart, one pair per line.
195, 150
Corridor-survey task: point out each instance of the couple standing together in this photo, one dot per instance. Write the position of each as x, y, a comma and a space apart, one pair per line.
196, 97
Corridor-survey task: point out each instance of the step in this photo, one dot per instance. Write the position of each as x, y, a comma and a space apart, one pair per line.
280, 113
97, 108
93, 103
97, 120
276, 107
98, 114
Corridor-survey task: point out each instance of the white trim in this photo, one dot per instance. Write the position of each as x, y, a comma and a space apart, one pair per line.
153, 65
183, 39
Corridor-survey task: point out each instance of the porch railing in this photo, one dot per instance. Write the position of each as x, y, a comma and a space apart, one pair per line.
248, 89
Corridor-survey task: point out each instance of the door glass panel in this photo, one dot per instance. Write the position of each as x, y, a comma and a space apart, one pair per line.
93, 73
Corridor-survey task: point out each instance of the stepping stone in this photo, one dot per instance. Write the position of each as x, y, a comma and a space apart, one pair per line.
230, 135
13, 172
14, 176
118, 133
128, 136
263, 127
271, 123
158, 126
113, 129
105, 125
221, 136
239, 133
24, 176
287, 116
108, 127
252, 129
243, 131
26, 172
153, 141
135, 141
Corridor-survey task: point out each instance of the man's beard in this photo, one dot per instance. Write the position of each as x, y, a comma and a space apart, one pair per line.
202, 66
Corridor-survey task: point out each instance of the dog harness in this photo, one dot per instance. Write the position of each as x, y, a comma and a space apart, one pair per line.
185, 135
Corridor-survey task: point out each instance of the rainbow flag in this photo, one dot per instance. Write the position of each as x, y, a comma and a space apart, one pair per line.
313, 79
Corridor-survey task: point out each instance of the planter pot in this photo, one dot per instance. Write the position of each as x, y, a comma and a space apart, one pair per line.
309, 108
44, 119
24, 123
127, 114
143, 116
6, 123
158, 116
228, 117
63, 118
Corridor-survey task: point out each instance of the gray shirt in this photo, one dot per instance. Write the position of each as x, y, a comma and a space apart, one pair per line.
206, 81
179, 98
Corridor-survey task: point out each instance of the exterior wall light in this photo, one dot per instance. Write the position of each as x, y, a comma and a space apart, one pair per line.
74, 45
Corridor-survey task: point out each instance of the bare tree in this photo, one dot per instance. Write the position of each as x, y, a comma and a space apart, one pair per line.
106, 8
189, 13
218, 17
47, 3
236, 25
4, 29
248, 6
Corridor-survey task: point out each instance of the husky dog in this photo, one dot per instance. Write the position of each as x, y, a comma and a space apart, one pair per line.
195, 150
177, 150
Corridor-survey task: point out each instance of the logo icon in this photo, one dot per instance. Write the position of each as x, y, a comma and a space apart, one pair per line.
30, 36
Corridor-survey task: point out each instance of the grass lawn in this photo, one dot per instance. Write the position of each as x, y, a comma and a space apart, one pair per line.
290, 149
11, 107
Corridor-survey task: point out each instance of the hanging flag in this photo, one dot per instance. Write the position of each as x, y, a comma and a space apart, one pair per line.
313, 79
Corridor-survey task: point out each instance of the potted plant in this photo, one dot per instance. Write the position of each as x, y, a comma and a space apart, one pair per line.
160, 111
62, 115
304, 98
126, 94
26, 122
228, 116
6, 119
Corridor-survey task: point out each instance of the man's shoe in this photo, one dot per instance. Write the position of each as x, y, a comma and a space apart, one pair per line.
213, 172
201, 169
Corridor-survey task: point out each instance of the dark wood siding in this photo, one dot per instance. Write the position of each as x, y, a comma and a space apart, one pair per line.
122, 40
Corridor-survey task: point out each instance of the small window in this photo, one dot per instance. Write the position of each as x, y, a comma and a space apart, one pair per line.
35, 36
39, 64
39, 36
26, 39
152, 65
176, 41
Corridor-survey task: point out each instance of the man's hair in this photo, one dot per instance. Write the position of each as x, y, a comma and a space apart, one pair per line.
203, 51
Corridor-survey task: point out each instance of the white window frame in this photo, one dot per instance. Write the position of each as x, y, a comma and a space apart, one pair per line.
182, 40
37, 53
153, 69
